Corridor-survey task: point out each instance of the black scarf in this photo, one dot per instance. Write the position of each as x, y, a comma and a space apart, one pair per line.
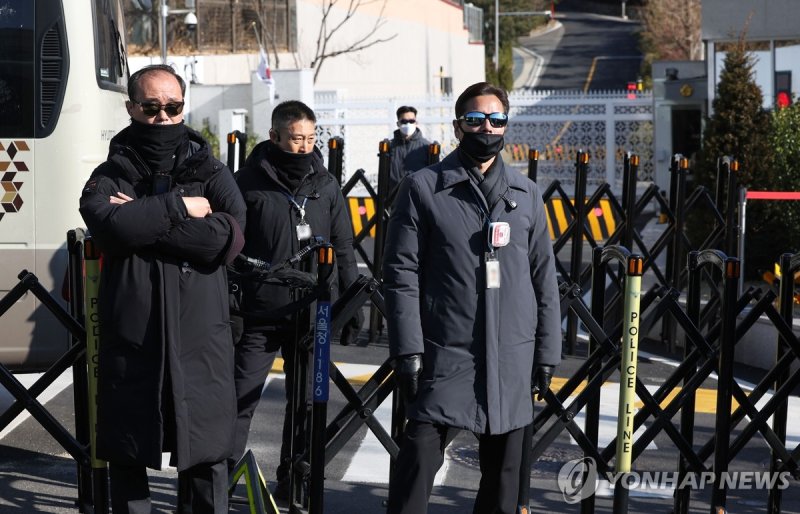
158, 145
490, 183
291, 168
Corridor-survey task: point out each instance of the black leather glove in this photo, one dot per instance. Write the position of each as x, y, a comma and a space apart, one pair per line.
540, 383
351, 329
407, 369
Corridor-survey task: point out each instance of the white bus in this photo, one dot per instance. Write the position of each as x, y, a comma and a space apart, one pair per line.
63, 77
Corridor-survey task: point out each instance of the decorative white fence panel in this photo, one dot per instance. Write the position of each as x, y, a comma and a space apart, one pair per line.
557, 123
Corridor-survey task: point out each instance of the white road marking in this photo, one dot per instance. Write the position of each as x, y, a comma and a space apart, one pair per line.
370, 464
607, 425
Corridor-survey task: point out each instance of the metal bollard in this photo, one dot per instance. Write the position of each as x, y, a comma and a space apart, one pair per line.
384, 165
693, 292
576, 259
91, 256
789, 264
627, 386
533, 164
731, 220
629, 181
676, 255
727, 337
336, 157
236, 138
320, 380
434, 152
80, 381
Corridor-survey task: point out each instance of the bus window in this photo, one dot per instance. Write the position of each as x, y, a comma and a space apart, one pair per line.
17, 68
110, 59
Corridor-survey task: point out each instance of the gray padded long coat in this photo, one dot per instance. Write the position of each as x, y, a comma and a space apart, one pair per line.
479, 345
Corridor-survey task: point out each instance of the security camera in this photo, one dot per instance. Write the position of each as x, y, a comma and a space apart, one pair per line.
190, 21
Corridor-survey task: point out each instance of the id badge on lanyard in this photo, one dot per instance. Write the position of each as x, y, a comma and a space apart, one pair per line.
302, 229
492, 266
498, 235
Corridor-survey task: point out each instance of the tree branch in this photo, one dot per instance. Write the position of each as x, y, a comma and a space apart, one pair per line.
328, 29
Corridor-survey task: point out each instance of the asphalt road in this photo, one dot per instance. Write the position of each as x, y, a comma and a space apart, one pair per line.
586, 52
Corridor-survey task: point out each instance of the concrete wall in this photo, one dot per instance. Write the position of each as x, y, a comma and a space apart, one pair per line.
787, 58
762, 19
289, 85
208, 100
426, 39
429, 39
771, 21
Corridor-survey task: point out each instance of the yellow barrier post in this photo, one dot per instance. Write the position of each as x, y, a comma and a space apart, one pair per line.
91, 264
627, 386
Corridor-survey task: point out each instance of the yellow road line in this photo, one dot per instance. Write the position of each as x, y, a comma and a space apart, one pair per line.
590, 75
705, 399
586, 85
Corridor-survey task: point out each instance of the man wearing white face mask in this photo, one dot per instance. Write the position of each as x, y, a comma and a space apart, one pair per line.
409, 148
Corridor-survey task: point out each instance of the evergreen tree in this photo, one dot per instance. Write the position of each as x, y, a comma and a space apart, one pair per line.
785, 215
740, 127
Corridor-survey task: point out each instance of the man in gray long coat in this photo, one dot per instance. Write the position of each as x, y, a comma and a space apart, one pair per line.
472, 307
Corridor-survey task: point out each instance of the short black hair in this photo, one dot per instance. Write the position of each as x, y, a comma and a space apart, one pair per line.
133, 82
481, 89
291, 111
404, 109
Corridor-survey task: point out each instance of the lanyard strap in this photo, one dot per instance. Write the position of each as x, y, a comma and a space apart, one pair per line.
487, 220
300, 208
481, 206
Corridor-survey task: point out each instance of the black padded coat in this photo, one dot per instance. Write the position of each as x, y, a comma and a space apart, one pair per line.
271, 227
166, 352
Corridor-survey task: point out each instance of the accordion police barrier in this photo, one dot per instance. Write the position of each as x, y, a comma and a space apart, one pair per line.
91, 473
313, 441
698, 291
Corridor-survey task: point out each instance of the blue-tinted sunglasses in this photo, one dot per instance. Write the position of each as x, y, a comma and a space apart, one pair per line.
475, 119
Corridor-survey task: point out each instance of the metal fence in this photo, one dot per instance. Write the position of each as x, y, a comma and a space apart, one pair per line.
473, 22
603, 124
223, 26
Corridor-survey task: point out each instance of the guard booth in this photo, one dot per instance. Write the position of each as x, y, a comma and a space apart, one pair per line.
680, 104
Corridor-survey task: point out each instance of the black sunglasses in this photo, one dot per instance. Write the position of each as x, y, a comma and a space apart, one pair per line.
475, 119
153, 108
406, 122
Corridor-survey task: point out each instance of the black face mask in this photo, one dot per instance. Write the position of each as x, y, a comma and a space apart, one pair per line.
481, 146
157, 144
293, 166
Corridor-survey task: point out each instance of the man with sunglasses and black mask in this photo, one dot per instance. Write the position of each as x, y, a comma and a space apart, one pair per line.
290, 198
167, 217
409, 148
472, 308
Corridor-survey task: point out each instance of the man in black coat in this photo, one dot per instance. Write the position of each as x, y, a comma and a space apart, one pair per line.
167, 217
409, 148
472, 308
290, 198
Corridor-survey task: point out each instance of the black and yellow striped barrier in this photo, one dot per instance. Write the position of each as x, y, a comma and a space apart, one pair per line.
602, 221
362, 209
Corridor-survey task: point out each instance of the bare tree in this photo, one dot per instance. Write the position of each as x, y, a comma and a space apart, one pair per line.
329, 26
672, 30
